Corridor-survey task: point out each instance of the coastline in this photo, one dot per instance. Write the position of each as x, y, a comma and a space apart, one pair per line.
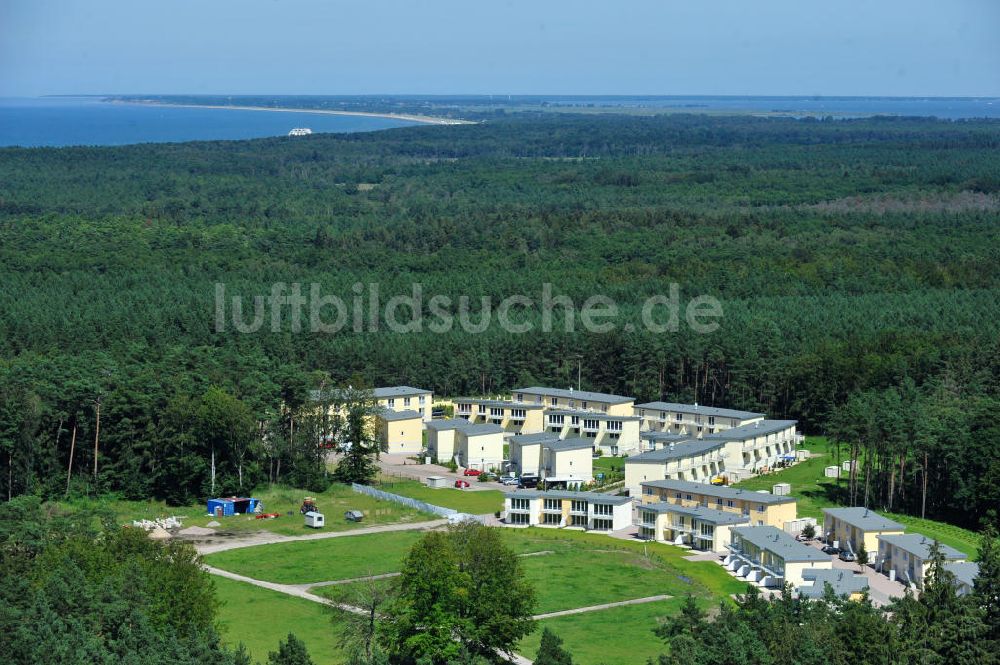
423, 119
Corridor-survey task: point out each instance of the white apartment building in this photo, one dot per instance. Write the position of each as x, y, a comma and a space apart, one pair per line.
558, 509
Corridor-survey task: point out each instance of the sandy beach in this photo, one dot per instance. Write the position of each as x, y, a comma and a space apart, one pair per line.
425, 119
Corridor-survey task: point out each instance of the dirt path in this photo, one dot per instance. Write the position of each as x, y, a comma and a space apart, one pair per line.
268, 538
605, 606
297, 591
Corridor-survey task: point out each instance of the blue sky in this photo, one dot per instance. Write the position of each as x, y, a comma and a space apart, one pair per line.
736, 47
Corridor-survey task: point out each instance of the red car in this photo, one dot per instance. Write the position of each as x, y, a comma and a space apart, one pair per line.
472, 472
461, 483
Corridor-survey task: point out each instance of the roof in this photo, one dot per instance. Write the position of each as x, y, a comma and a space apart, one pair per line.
572, 443
780, 543
843, 582
919, 545
539, 437
481, 429
596, 415
965, 572
448, 423
502, 403
399, 391
650, 435
686, 448
699, 409
700, 512
584, 395
405, 414
864, 519
750, 430
720, 491
590, 497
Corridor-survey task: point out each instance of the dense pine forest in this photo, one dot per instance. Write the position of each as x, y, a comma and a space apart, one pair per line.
857, 262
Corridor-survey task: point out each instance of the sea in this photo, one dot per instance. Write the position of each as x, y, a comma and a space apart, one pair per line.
73, 121
64, 121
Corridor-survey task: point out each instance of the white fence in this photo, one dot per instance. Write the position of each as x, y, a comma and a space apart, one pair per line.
405, 500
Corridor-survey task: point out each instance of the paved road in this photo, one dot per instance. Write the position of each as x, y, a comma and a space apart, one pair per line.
605, 606
402, 465
211, 546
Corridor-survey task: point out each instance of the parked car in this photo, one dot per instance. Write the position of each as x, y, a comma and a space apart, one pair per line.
461, 483
847, 556
529, 482
830, 549
510, 480
471, 472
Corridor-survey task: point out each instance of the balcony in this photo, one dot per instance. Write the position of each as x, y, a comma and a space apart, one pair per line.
518, 418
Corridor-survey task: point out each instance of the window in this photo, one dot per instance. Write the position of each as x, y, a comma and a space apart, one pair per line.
730, 503
648, 491
760, 507
555, 420
496, 412
615, 426
677, 495
718, 501
604, 408
406, 401
583, 405
517, 413
677, 417
578, 520
603, 509
711, 420
520, 397
688, 497
553, 504
518, 518
551, 518
663, 415
555, 401
648, 517
589, 424
603, 525
579, 507
420, 400
482, 408
391, 402
572, 404
518, 504
574, 420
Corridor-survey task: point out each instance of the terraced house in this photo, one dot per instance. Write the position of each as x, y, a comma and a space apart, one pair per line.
400, 432
609, 434
698, 527
584, 510
470, 445
696, 460
757, 446
512, 416
906, 556
772, 558
405, 398
582, 400
852, 528
691, 419
554, 459
760, 508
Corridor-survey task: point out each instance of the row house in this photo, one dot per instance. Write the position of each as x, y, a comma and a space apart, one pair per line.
772, 558
757, 446
695, 460
470, 445
610, 435
583, 510
406, 398
761, 508
906, 556
552, 458
692, 419
575, 400
511, 416
697, 527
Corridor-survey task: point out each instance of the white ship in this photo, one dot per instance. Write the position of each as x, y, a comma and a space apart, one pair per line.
300, 131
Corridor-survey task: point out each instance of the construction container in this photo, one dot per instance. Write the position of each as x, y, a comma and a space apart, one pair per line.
848, 465
781, 489
832, 472
436, 482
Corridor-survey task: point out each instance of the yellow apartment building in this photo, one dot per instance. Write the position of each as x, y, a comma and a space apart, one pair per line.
511, 416
405, 398
852, 527
772, 558
760, 508
697, 527
400, 432
575, 400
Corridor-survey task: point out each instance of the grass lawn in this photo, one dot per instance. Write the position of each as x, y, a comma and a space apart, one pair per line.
478, 502
814, 492
333, 503
613, 468
616, 636
259, 618
310, 561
